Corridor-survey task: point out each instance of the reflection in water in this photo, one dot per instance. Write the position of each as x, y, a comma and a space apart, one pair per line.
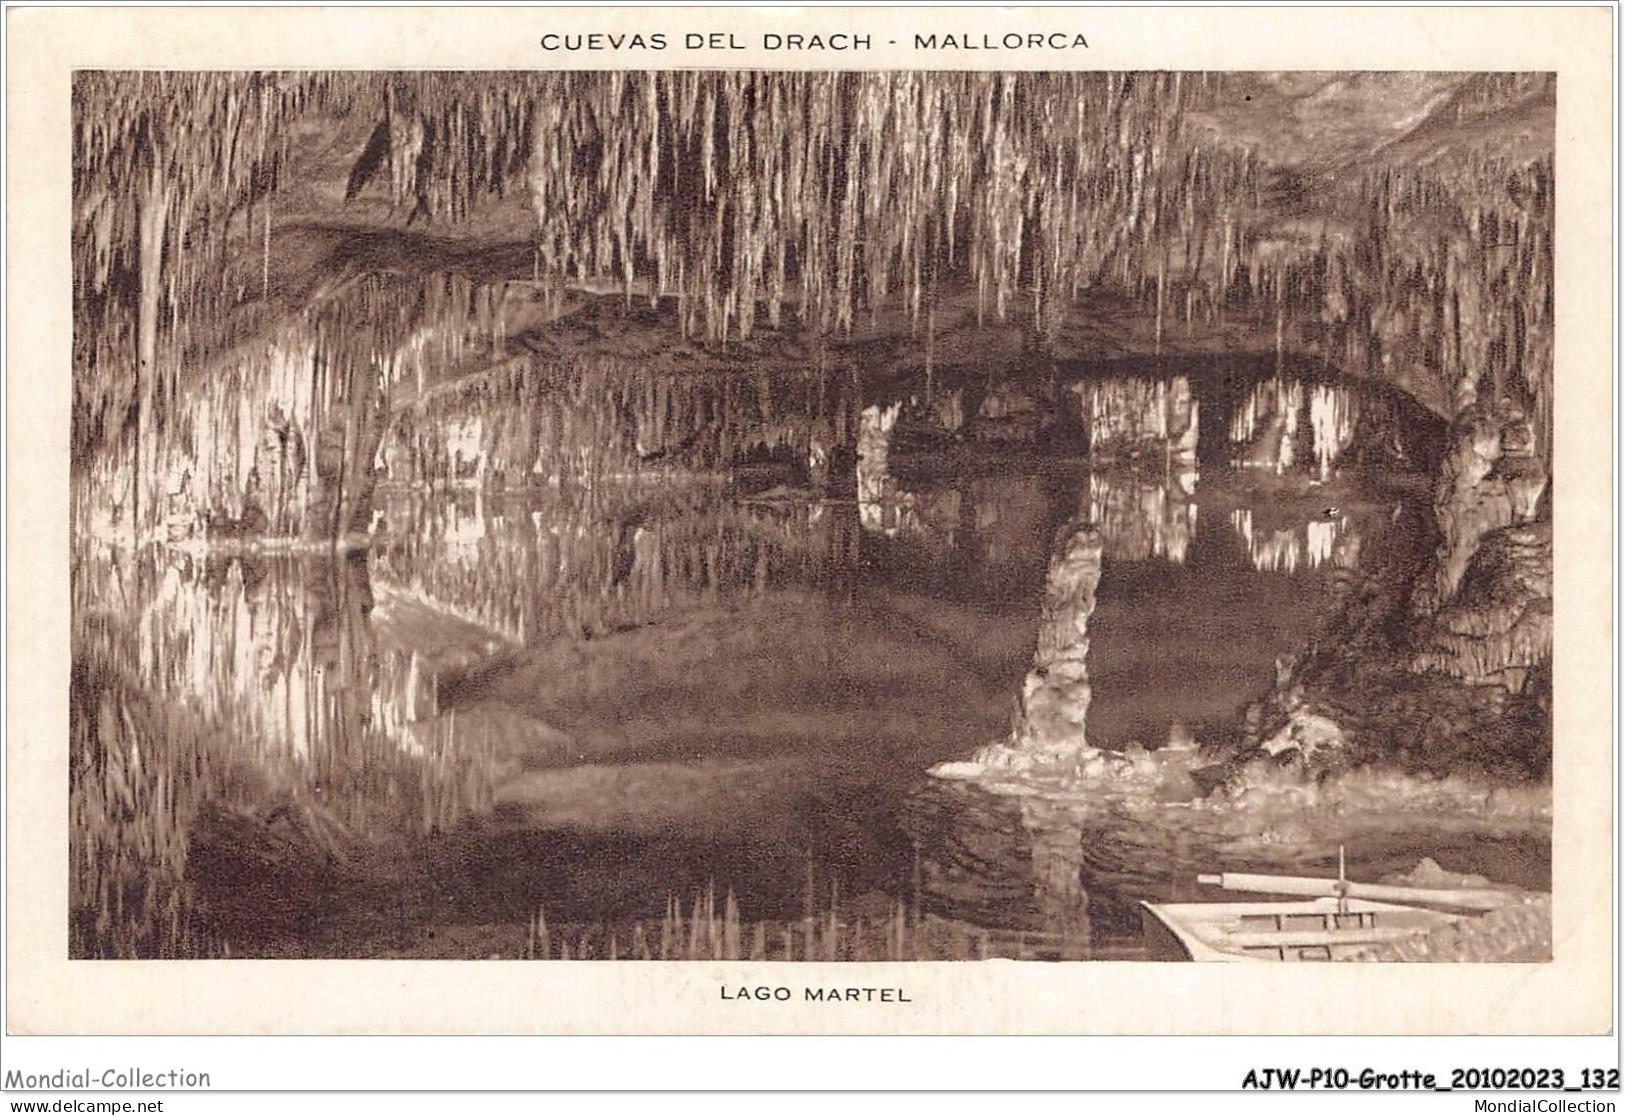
1143, 517
532, 568
291, 695
1264, 428
414, 380
881, 505
1130, 416
1308, 545
354, 705
533, 421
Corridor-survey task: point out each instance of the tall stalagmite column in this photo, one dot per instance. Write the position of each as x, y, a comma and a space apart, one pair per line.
1048, 728
1054, 702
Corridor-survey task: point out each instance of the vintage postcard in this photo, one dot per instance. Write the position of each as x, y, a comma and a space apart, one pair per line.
823, 521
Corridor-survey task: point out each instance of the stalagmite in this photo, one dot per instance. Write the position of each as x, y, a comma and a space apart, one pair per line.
1054, 704
1048, 725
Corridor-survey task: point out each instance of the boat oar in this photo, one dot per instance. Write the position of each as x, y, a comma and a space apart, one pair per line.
1376, 892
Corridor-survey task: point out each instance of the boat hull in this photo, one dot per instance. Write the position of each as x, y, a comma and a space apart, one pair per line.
1321, 929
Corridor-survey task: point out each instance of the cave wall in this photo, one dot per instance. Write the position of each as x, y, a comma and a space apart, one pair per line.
1439, 657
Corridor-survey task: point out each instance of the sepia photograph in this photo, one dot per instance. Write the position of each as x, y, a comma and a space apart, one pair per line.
754, 515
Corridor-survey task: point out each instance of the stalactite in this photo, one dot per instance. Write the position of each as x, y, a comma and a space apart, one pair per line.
818, 195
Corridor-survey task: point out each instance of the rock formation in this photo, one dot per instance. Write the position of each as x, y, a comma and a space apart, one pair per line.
1055, 835
1054, 705
1490, 479
1441, 656
1048, 726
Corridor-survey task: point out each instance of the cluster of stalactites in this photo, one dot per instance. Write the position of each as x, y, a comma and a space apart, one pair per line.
581, 422
196, 156
565, 565
206, 153
744, 193
828, 195
455, 137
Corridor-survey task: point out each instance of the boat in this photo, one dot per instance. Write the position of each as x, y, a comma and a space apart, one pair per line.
1327, 919
1316, 929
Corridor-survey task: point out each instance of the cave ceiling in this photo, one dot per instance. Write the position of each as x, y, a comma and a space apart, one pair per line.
1375, 220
